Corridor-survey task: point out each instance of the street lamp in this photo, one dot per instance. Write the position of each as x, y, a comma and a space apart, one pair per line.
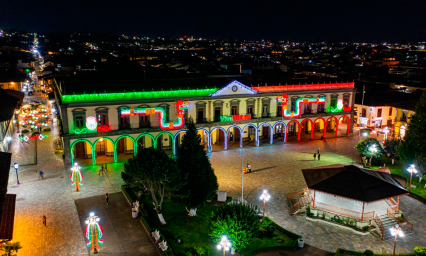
265, 197
412, 170
94, 232
16, 166
225, 244
373, 150
395, 231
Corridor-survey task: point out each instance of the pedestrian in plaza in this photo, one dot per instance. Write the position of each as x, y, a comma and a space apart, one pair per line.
319, 157
249, 168
231, 137
44, 219
106, 167
315, 156
107, 197
318, 149
41, 174
100, 170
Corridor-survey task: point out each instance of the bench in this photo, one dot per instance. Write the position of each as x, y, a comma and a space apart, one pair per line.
163, 246
156, 235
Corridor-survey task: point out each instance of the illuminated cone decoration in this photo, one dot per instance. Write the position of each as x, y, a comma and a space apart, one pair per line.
93, 232
76, 177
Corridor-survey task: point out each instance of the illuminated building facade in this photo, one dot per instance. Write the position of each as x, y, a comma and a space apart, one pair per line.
111, 127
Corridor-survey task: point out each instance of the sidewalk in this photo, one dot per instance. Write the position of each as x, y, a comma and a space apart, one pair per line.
123, 235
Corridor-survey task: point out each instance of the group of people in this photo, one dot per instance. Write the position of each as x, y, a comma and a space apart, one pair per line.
102, 168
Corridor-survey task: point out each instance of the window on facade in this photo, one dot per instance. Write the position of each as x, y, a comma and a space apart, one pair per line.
265, 110
200, 115
102, 119
279, 110
346, 98
124, 122
234, 110
144, 121
333, 101
250, 110
379, 112
308, 108
320, 108
217, 114
404, 116
79, 121
390, 111
293, 104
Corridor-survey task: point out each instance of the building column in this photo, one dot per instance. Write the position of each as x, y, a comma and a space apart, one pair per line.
362, 214
67, 152
397, 206
313, 206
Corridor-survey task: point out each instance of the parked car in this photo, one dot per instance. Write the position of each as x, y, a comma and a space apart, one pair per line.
367, 130
381, 131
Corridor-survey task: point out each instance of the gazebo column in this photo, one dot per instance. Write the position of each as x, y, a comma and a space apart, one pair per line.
397, 206
362, 214
314, 200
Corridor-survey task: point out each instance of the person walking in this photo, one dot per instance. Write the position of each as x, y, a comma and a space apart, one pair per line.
319, 156
41, 174
249, 168
106, 168
318, 149
315, 156
100, 170
44, 219
107, 197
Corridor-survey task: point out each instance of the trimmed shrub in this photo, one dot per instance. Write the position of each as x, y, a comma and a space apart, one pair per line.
47, 129
368, 252
25, 131
365, 228
35, 133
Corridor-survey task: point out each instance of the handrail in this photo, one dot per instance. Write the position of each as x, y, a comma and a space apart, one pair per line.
392, 201
339, 210
391, 213
300, 204
297, 194
380, 224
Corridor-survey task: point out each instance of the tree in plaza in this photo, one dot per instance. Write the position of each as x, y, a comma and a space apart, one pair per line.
413, 146
364, 148
9, 248
238, 222
392, 146
154, 170
192, 159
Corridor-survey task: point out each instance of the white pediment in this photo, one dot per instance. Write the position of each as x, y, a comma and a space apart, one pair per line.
234, 88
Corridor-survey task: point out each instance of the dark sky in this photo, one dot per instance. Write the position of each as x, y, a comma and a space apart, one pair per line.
299, 20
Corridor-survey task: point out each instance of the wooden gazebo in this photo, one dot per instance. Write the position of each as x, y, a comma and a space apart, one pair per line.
349, 185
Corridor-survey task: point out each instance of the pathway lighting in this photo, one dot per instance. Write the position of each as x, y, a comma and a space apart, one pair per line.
412, 169
395, 231
16, 166
265, 197
225, 244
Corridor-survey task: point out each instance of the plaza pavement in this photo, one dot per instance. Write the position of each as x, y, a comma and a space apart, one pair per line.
276, 168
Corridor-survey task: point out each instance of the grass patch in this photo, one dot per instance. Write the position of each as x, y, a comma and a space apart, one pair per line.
193, 231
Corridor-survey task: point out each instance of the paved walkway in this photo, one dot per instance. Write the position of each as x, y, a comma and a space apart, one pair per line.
278, 169
123, 235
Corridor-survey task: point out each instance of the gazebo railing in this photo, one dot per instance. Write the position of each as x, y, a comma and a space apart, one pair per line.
343, 211
300, 204
392, 201
380, 224
392, 213
298, 194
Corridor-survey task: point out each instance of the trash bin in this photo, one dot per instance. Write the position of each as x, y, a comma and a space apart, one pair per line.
134, 214
300, 242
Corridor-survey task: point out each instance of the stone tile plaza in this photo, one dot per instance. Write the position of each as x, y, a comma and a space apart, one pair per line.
274, 167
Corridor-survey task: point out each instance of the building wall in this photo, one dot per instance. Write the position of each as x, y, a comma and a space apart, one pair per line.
372, 115
402, 120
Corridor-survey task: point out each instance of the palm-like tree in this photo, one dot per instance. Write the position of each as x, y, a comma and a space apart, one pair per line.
10, 248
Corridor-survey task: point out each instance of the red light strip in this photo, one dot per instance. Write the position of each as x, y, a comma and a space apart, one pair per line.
303, 87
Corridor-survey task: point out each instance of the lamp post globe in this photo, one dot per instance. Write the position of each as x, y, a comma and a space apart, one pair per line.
224, 244
16, 166
373, 150
396, 231
265, 197
412, 169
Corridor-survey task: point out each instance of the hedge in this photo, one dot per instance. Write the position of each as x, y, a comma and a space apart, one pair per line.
145, 223
285, 231
270, 249
341, 252
126, 194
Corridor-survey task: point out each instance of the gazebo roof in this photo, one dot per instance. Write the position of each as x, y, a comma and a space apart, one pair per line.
353, 182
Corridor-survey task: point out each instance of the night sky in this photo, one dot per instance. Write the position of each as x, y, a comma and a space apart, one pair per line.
298, 20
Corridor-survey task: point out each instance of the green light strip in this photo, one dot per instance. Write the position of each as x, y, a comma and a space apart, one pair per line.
96, 97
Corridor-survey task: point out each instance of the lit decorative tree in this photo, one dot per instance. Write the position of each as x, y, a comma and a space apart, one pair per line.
76, 177
93, 232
